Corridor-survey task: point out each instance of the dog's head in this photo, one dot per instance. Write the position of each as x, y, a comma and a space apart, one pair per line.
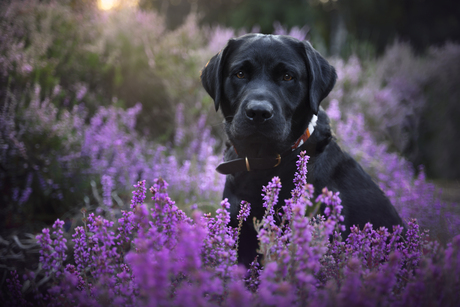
268, 88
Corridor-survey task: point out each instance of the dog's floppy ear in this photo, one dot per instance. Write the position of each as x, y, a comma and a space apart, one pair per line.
322, 77
211, 75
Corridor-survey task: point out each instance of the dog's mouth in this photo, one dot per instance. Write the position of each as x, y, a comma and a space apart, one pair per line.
266, 140
258, 134
258, 143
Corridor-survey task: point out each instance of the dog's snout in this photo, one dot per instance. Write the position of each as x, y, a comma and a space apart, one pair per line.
259, 111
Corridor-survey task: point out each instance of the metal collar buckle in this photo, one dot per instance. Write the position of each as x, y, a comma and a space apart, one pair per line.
278, 159
247, 164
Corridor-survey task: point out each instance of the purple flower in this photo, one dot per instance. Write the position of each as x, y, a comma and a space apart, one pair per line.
296, 32
274, 289
270, 198
107, 186
302, 191
218, 249
81, 252
332, 210
138, 194
179, 135
238, 294
102, 246
268, 231
52, 252
165, 214
14, 288
244, 211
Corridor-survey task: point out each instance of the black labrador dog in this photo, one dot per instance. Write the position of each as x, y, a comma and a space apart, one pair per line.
269, 88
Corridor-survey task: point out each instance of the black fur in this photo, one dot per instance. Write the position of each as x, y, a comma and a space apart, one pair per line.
265, 113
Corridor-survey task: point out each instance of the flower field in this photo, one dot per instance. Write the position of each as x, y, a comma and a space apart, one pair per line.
93, 103
159, 256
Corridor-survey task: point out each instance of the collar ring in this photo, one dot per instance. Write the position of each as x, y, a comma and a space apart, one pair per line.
278, 159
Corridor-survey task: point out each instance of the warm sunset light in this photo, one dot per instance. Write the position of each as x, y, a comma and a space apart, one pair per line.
106, 5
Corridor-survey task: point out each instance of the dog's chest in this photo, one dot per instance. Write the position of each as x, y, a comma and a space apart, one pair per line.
248, 186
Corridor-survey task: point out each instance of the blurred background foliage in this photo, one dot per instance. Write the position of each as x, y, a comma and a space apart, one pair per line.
374, 22
86, 93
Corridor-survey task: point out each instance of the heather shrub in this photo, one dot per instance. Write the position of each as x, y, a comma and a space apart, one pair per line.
43, 171
369, 109
154, 255
47, 43
115, 149
440, 126
52, 158
88, 75
154, 66
409, 101
122, 57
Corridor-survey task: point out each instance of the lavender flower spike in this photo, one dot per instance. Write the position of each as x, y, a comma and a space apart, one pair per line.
52, 253
138, 194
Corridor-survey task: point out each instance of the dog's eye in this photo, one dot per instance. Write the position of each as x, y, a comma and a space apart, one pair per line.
240, 75
287, 77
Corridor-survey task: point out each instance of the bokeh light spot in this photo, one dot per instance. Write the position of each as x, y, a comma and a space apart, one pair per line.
106, 5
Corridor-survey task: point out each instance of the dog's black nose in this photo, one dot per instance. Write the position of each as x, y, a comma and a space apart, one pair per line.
259, 111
